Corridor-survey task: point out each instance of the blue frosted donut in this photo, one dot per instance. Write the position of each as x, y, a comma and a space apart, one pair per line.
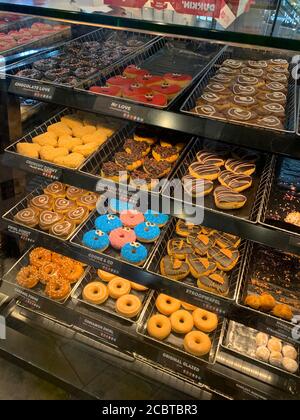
116, 206
134, 253
108, 222
160, 219
96, 239
147, 232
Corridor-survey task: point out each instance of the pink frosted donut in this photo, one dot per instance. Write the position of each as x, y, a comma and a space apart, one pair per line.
121, 236
131, 218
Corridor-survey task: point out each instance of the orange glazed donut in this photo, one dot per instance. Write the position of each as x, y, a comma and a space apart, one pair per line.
28, 277
159, 327
128, 306
205, 321
105, 276
182, 322
39, 256
95, 292
58, 288
197, 343
48, 271
188, 307
118, 287
166, 305
138, 287
72, 271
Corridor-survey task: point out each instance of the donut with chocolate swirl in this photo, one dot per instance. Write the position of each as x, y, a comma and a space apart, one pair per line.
270, 122
207, 111
48, 218
216, 282
210, 172
237, 182
240, 166
63, 205
197, 187
41, 202
244, 90
28, 217
217, 88
174, 268
88, 200
225, 258
209, 158
200, 266
261, 64
233, 64
222, 78
186, 229
179, 248
248, 71
237, 113
201, 243
228, 199
275, 109
275, 87
277, 77
244, 101
274, 97
155, 169
62, 229
77, 215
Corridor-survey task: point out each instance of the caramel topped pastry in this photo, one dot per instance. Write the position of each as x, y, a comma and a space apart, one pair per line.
186, 229
227, 70
27, 217
228, 199
247, 80
63, 205
62, 229
278, 69
77, 215
207, 111
198, 170
217, 88
209, 158
244, 90
271, 122
56, 190
277, 97
42, 202
246, 101
200, 266
240, 166
233, 64
201, 243
174, 268
226, 240
48, 218
240, 114
210, 98
222, 78
278, 62
74, 193
237, 182
207, 231
179, 248
275, 87
277, 77
248, 71
216, 282
272, 109
88, 200
225, 258
197, 187
257, 64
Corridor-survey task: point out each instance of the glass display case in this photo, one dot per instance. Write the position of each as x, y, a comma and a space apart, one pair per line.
150, 206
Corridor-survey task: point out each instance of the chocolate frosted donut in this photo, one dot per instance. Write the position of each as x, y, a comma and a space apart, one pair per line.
228, 199
45, 65
85, 72
237, 182
197, 187
57, 73
216, 282
91, 45
240, 166
112, 169
30, 74
210, 172
209, 158
126, 160
244, 90
67, 80
156, 169
132, 146
140, 178
225, 258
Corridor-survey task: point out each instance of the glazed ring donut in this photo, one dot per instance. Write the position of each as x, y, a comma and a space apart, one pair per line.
39, 256
58, 288
166, 305
128, 306
72, 271
48, 271
28, 277
182, 322
95, 293
138, 287
205, 321
118, 287
188, 307
159, 327
197, 343
105, 276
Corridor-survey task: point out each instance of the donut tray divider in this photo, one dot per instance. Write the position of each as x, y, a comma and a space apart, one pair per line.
225, 346
99, 35
9, 216
175, 341
255, 194
161, 251
108, 306
38, 290
298, 109
262, 216
238, 53
265, 319
152, 58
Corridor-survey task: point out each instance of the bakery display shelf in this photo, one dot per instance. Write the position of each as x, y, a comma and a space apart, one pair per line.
248, 213
263, 321
238, 53
53, 171
168, 55
243, 349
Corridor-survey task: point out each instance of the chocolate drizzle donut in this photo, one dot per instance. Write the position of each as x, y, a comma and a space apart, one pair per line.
228, 199
198, 170
197, 187
201, 243
209, 158
174, 268
225, 258
237, 182
240, 166
216, 282
179, 248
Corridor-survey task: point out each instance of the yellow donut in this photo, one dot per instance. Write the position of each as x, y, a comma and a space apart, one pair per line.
182, 322
118, 287
166, 305
159, 327
197, 343
105, 276
205, 321
188, 307
128, 306
138, 287
95, 292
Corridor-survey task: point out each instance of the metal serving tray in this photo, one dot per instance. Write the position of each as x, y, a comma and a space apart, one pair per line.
108, 306
254, 194
166, 56
23, 204
175, 341
244, 350
161, 251
38, 290
98, 35
238, 53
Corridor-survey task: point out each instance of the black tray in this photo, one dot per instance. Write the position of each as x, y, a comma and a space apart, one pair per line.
238, 53
167, 56
175, 341
254, 194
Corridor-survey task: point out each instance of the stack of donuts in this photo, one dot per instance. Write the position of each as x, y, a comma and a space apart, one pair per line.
59, 211
35, 32
191, 323
70, 141
127, 232
205, 254
55, 272
231, 168
124, 292
144, 160
248, 92
139, 85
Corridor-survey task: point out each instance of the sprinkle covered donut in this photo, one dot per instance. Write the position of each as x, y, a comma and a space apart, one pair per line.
131, 218
134, 253
147, 232
121, 236
159, 219
96, 239
108, 222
